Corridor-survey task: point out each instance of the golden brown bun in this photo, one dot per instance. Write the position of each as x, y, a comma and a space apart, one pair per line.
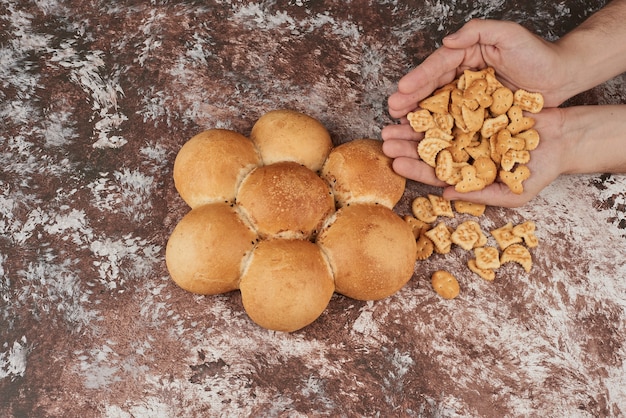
209, 167
288, 135
359, 172
285, 200
286, 285
371, 251
206, 248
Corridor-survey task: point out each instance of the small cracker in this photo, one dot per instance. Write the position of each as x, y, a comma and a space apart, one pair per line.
444, 165
518, 254
440, 236
445, 122
428, 148
417, 226
441, 206
470, 182
470, 208
486, 170
515, 179
487, 274
512, 157
530, 137
438, 133
487, 257
483, 149
526, 231
519, 122
492, 126
445, 284
438, 102
502, 101
423, 210
477, 92
456, 175
421, 120
473, 118
425, 248
504, 236
465, 235
530, 102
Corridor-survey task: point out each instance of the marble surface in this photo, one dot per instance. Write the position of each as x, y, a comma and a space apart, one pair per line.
96, 99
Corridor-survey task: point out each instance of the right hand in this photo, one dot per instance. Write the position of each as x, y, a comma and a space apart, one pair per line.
520, 58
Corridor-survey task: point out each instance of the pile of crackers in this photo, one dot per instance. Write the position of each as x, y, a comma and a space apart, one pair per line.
475, 132
434, 236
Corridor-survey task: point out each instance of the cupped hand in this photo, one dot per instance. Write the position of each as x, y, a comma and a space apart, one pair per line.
520, 58
545, 162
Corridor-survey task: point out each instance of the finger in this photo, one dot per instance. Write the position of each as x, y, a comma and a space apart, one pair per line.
483, 31
496, 194
404, 132
396, 148
436, 70
416, 170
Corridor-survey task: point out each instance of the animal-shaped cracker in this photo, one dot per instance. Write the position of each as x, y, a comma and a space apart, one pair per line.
530, 102
504, 236
445, 284
487, 274
526, 231
471, 208
440, 236
470, 182
515, 179
421, 120
487, 257
518, 254
428, 148
425, 248
423, 210
441, 206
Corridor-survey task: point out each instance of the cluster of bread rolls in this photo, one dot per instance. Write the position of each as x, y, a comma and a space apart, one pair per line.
287, 219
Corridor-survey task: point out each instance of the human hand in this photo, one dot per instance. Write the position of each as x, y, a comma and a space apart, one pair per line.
546, 163
520, 59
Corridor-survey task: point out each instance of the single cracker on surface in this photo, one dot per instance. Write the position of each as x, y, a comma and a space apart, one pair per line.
526, 231
487, 257
445, 284
441, 206
470, 208
423, 210
440, 235
487, 274
519, 254
504, 236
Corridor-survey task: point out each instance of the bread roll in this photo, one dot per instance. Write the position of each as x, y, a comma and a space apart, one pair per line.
359, 172
288, 135
285, 200
286, 285
209, 167
371, 251
206, 248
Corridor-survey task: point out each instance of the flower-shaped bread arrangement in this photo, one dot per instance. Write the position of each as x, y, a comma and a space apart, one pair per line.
287, 219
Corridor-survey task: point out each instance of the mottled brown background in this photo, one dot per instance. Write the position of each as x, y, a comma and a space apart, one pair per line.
97, 97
